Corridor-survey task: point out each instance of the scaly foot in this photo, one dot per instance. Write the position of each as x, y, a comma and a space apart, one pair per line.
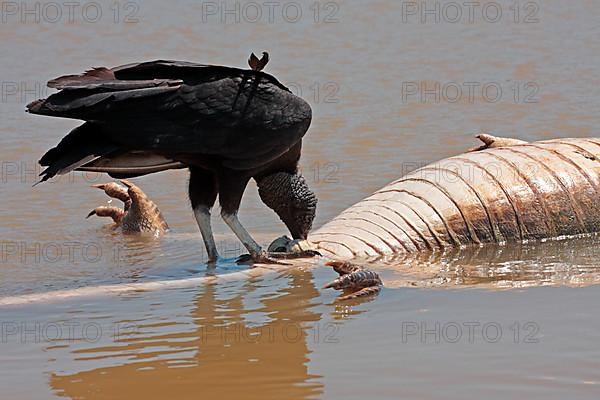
261, 257
294, 254
286, 248
139, 214
354, 280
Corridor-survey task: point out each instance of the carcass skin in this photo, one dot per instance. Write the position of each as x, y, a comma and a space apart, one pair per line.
507, 190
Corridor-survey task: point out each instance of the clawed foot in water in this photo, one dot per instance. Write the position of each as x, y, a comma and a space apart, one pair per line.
354, 280
139, 213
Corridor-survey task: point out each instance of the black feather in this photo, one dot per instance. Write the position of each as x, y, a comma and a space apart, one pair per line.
186, 112
80, 146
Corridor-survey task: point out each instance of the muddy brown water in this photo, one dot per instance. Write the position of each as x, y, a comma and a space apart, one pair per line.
503, 322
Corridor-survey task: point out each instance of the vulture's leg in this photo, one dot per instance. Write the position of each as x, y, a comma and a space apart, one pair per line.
115, 213
231, 219
203, 193
231, 189
354, 280
202, 214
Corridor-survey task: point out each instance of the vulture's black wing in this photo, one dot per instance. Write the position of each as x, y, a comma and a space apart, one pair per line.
173, 108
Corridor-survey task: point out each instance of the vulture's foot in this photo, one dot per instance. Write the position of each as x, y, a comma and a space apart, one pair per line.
286, 248
355, 281
490, 141
262, 257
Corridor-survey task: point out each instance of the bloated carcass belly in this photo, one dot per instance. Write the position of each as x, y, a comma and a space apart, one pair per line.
536, 190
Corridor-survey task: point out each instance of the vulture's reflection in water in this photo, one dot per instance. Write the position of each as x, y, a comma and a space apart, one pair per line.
222, 357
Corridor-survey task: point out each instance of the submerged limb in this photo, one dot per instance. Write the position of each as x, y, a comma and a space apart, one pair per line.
356, 280
139, 215
143, 215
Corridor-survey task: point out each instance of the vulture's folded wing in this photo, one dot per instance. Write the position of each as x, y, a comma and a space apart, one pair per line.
191, 73
173, 108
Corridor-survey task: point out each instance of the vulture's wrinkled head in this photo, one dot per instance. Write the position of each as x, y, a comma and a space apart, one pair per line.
290, 197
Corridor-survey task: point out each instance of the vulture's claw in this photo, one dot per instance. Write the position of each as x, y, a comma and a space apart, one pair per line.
262, 257
294, 254
354, 280
284, 247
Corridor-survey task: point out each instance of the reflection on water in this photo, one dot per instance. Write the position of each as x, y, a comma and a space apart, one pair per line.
570, 262
249, 342
280, 337
167, 344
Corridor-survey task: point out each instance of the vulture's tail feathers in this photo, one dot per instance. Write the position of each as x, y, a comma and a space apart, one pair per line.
81, 146
92, 95
131, 164
94, 74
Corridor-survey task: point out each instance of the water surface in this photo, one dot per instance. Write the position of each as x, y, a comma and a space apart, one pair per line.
355, 71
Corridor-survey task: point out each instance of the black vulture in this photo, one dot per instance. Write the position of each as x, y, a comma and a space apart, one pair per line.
227, 125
